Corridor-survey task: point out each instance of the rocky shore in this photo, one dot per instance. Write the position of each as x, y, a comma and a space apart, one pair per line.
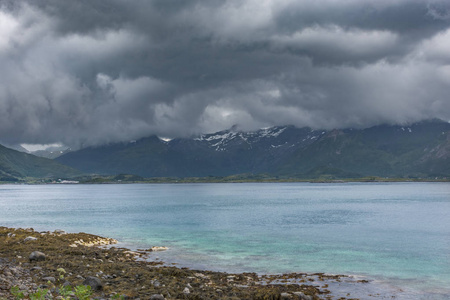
63, 263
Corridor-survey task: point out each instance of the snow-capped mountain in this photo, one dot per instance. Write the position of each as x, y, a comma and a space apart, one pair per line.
273, 137
420, 149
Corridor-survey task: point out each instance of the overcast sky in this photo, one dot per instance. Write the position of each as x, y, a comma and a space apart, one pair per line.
88, 72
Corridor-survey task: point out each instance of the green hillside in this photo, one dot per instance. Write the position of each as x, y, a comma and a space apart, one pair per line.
15, 165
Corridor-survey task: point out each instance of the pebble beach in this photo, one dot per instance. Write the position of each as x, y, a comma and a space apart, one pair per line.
32, 261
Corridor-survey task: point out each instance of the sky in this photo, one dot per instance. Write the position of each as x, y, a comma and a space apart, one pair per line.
90, 72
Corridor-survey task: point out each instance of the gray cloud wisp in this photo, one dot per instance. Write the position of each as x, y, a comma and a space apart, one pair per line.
90, 72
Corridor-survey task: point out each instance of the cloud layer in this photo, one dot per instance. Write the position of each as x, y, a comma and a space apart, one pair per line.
90, 72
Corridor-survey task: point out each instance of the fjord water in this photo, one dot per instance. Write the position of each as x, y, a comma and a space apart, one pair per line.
391, 232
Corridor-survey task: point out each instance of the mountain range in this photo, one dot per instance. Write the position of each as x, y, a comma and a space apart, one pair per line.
417, 150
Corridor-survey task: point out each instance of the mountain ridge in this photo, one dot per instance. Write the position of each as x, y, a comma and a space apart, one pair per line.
417, 150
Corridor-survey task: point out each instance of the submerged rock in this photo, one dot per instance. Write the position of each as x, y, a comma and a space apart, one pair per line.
37, 256
158, 248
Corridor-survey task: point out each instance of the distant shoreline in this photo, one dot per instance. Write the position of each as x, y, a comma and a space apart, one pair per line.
98, 179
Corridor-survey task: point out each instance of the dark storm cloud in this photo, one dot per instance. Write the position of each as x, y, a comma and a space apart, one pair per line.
89, 72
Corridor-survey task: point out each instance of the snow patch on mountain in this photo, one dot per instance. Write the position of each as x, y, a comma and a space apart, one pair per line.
221, 140
271, 132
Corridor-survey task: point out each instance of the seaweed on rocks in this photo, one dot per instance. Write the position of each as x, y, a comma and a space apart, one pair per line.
76, 259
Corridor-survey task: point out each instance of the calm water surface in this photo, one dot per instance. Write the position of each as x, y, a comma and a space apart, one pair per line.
396, 233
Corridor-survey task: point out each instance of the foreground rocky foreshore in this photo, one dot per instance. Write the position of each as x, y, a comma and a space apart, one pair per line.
31, 261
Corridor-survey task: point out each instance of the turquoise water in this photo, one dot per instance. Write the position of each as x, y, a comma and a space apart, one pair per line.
393, 233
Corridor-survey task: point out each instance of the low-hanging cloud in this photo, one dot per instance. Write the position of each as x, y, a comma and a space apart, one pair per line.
91, 72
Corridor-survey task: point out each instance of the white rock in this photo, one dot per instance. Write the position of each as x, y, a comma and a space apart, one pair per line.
159, 248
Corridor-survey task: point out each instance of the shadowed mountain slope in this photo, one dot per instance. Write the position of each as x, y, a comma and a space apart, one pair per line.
418, 150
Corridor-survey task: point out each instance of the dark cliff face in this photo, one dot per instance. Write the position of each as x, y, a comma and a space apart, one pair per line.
420, 149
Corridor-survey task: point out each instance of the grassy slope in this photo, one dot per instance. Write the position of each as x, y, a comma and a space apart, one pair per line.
14, 164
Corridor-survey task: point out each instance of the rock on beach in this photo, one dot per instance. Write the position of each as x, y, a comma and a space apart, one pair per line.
13, 275
49, 278
59, 231
94, 282
37, 256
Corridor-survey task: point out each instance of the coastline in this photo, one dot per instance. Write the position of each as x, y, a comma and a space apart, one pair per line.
133, 275
239, 178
